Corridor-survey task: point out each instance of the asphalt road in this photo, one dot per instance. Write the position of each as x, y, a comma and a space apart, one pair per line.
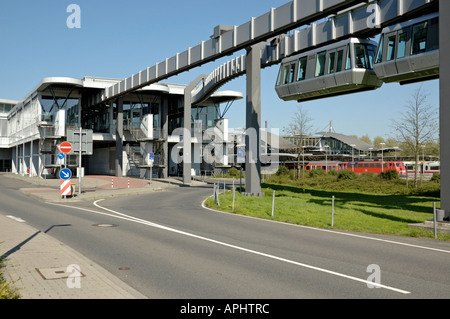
166, 245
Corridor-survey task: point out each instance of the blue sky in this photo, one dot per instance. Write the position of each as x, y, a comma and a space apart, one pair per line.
120, 38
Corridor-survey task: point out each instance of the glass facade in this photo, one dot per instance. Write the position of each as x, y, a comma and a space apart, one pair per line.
49, 105
5, 108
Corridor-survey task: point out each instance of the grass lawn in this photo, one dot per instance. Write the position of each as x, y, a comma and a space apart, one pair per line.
353, 210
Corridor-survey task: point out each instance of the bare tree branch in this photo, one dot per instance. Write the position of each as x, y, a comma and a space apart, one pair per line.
417, 125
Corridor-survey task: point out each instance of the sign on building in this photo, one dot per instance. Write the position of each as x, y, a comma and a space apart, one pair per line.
73, 136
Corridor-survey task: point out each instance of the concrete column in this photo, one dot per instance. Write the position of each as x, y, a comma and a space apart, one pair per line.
119, 138
253, 122
31, 159
187, 156
23, 169
444, 102
164, 160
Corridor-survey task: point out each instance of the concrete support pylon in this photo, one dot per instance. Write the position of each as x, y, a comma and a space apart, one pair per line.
187, 156
253, 122
444, 105
119, 138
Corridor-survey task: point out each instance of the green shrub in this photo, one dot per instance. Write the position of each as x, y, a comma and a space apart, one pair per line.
282, 170
333, 173
436, 178
233, 172
346, 174
389, 175
317, 172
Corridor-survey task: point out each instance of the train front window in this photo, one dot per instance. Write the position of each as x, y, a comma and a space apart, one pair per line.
419, 38
302, 68
380, 51
280, 76
371, 51
348, 64
290, 73
364, 56
286, 74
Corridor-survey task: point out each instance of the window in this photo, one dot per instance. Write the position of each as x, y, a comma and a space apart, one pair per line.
379, 57
340, 56
402, 38
419, 38
433, 34
280, 76
364, 56
331, 60
391, 48
320, 63
348, 64
371, 49
288, 73
302, 68
360, 56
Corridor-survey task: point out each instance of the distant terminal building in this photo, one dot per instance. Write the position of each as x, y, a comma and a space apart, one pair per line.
144, 121
338, 147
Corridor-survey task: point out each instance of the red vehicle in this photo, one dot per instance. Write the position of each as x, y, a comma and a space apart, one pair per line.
376, 167
326, 166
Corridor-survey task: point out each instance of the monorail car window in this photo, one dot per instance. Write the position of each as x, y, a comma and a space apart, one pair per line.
289, 73
371, 51
301, 74
320, 63
402, 39
340, 56
360, 56
364, 56
433, 34
348, 64
419, 38
380, 50
280, 76
331, 62
391, 48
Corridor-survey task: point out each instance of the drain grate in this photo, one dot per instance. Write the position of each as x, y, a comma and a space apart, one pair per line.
57, 273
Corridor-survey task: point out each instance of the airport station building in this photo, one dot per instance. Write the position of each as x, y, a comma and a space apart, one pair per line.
60, 109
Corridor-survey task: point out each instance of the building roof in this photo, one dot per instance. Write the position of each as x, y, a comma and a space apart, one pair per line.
358, 144
349, 140
283, 144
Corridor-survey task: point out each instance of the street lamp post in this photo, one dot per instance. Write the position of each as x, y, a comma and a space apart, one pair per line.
326, 158
353, 158
382, 161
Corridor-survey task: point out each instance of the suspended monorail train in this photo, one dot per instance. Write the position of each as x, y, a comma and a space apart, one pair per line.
339, 68
409, 52
406, 52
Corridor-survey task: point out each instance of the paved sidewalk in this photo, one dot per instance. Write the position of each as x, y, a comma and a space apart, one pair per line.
41, 267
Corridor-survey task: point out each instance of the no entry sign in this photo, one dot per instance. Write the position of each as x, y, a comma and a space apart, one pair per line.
65, 147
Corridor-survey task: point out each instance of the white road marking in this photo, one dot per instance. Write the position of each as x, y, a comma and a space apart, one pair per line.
332, 231
17, 219
119, 215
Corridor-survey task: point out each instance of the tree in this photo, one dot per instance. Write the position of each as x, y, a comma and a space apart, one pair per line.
417, 126
366, 139
299, 127
377, 142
